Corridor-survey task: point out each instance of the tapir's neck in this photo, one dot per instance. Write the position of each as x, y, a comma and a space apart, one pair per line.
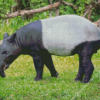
30, 42
30, 36
23, 43
18, 45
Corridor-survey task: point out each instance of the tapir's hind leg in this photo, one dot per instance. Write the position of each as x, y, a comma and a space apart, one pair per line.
81, 71
86, 67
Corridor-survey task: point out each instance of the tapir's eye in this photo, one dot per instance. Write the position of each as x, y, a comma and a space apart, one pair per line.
4, 52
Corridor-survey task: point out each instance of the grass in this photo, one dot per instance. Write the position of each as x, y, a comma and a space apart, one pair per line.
19, 83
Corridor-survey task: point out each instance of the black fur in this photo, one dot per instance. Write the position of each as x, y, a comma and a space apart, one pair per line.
85, 52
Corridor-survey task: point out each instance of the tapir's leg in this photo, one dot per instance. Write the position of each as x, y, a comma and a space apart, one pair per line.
49, 64
86, 66
81, 70
38, 62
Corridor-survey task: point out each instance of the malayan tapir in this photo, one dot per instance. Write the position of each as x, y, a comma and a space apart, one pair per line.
64, 35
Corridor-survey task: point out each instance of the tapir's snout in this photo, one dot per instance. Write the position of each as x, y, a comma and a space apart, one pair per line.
2, 74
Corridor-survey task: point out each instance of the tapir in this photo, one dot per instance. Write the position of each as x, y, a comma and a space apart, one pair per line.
64, 35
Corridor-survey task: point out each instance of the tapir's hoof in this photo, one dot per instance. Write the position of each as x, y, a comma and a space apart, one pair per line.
86, 81
56, 75
77, 80
38, 79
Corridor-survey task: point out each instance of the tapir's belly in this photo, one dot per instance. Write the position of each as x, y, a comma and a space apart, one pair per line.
60, 37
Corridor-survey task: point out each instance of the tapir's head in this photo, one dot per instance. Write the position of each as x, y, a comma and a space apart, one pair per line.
9, 51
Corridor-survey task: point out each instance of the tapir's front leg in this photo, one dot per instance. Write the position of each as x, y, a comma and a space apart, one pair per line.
47, 59
38, 62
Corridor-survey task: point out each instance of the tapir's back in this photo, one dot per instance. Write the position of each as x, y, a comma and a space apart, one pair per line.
62, 34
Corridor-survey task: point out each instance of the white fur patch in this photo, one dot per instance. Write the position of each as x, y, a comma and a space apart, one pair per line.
62, 34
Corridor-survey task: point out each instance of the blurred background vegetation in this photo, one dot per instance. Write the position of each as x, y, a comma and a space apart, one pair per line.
12, 24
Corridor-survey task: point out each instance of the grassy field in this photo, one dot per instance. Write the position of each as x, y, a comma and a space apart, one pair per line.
19, 82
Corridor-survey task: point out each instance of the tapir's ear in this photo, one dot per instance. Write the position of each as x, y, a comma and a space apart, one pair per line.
5, 35
12, 37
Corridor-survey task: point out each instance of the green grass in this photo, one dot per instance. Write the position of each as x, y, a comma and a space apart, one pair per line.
19, 82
